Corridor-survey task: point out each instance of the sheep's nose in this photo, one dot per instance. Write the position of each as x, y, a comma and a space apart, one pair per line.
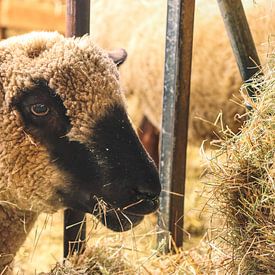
147, 192
149, 186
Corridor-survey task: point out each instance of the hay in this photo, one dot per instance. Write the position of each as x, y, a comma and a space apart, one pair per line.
242, 176
95, 260
106, 259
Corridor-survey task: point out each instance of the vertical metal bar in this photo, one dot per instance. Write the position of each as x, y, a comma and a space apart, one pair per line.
178, 57
77, 24
74, 232
77, 17
3, 32
240, 38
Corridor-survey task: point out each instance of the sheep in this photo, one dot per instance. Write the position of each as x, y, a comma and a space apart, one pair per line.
66, 139
215, 77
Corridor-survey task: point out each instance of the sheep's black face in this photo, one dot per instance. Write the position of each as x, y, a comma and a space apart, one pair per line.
112, 170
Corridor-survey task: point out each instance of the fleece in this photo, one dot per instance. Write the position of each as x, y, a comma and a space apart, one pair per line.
86, 80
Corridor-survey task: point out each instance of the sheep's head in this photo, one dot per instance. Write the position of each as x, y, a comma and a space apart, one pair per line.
66, 140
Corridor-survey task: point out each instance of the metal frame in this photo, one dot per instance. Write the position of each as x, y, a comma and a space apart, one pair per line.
241, 39
180, 16
77, 24
178, 57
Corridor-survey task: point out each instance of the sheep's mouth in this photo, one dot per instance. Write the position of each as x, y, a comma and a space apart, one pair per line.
119, 220
124, 218
116, 218
138, 208
142, 207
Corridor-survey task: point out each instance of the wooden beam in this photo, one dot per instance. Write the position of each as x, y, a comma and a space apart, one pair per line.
178, 57
29, 16
240, 38
77, 24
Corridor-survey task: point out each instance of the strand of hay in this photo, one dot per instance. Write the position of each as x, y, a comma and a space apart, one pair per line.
242, 175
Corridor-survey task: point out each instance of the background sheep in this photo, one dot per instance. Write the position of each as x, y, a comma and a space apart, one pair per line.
215, 76
66, 140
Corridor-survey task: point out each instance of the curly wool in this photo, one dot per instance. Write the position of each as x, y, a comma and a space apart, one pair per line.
15, 225
85, 78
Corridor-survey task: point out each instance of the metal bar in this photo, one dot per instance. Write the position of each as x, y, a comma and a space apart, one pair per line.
240, 38
74, 232
77, 24
77, 17
178, 57
3, 32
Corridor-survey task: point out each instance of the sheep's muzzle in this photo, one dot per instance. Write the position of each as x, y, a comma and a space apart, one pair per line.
112, 176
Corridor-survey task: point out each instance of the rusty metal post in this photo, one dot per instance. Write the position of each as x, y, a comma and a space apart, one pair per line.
77, 24
77, 17
178, 57
240, 38
3, 33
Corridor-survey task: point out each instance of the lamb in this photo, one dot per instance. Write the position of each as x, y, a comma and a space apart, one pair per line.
66, 140
215, 77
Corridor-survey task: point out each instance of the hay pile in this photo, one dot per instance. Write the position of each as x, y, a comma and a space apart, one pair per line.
95, 260
242, 174
105, 259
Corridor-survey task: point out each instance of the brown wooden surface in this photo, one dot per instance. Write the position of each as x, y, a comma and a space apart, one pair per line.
30, 15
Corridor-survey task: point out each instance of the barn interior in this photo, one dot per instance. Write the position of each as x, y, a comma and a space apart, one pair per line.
139, 26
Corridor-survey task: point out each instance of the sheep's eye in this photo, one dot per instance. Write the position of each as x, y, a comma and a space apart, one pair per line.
40, 109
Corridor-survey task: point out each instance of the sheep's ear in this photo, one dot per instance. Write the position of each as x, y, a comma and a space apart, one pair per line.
118, 56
